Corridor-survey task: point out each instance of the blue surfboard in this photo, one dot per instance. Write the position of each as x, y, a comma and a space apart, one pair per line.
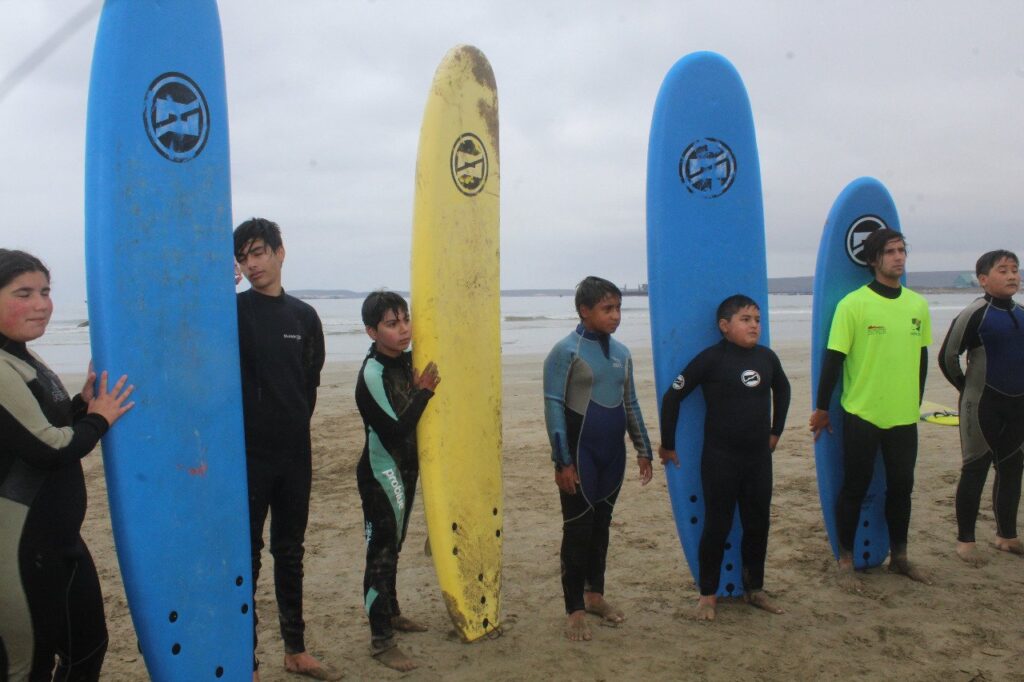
705, 242
162, 310
861, 208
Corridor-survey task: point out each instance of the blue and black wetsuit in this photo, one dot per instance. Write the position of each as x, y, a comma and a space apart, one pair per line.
50, 599
589, 405
991, 331
747, 396
390, 406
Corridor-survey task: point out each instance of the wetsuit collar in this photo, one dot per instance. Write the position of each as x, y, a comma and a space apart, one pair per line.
16, 348
387, 359
603, 339
883, 290
1001, 303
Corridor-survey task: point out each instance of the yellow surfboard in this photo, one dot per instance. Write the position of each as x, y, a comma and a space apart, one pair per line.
456, 323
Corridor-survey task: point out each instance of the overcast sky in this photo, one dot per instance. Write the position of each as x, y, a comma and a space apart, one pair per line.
326, 99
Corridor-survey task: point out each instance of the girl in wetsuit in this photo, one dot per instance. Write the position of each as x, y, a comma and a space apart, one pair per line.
991, 331
51, 606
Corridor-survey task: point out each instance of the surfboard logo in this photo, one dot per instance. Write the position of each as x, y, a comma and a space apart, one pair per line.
469, 164
176, 117
707, 167
857, 233
750, 378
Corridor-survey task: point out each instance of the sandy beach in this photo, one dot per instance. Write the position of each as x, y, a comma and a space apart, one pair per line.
968, 626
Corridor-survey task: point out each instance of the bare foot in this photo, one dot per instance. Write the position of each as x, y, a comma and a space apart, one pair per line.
846, 576
900, 564
1012, 546
390, 655
599, 606
403, 624
304, 664
706, 608
968, 551
576, 629
758, 599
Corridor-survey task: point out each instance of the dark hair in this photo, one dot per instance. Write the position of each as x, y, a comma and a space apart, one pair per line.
257, 228
875, 243
989, 260
14, 263
592, 290
379, 303
734, 304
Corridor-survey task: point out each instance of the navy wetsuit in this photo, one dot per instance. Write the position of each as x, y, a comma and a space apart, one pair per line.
991, 331
747, 396
50, 599
589, 405
390, 406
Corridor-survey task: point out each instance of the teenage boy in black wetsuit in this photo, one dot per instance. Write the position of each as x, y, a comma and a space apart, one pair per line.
879, 343
391, 396
991, 331
281, 343
747, 397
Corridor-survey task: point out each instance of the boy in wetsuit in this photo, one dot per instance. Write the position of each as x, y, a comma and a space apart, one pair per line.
747, 396
991, 331
589, 405
391, 396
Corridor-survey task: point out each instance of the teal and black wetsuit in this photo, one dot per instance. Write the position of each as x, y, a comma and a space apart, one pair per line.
589, 405
991, 331
390, 406
50, 598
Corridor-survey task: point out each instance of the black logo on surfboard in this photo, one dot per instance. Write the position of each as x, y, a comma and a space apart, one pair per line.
469, 164
857, 233
176, 117
707, 167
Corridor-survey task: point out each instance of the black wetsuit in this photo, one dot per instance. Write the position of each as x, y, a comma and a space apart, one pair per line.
50, 599
386, 474
281, 342
747, 396
991, 331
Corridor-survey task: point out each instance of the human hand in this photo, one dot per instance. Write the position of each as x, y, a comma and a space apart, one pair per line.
773, 442
818, 422
111, 404
429, 379
667, 456
89, 389
567, 479
646, 470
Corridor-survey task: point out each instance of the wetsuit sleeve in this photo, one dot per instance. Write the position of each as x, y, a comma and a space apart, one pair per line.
780, 396
557, 366
378, 413
831, 368
686, 383
962, 336
634, 419
923, 373
28, 432
315, 354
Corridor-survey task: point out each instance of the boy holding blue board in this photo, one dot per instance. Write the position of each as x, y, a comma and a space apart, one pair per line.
391, 396
747, 396
991, 332
589, 405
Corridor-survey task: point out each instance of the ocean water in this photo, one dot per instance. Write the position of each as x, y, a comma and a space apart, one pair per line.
530, 324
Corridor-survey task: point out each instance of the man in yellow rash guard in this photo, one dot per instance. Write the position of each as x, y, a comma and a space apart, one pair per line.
879, 341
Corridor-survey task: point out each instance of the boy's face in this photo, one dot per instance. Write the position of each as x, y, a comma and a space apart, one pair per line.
1003, 280
743, 328
603, 317
262, 266
392, 334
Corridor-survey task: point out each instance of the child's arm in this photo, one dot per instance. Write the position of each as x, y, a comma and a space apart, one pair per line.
557, 366
635, 426
962, 330
780, 401
377, 411
683, 385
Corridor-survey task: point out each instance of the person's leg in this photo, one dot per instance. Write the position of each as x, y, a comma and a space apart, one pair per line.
260, 478
289, 514
1008, 444
860, 447
968, 501
899, 453
84, 641
577, 527
410, 474
755, 501
597, 559
720, 483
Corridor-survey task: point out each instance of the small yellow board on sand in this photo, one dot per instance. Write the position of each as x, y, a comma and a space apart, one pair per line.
934, 413
457, 324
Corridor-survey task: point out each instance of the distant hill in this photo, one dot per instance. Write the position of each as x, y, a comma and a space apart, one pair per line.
923, 281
